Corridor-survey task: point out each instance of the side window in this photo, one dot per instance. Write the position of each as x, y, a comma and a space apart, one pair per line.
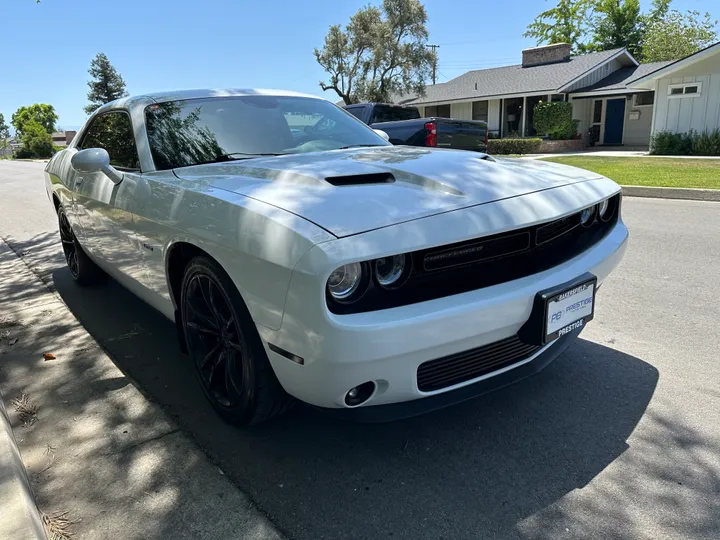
113, 132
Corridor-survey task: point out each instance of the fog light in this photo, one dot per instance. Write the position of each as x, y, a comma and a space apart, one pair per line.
359, 394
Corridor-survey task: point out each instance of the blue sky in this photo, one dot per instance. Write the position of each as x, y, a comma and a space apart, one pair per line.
181, 44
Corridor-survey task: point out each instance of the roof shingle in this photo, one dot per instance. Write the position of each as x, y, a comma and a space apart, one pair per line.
618, 80
511, 80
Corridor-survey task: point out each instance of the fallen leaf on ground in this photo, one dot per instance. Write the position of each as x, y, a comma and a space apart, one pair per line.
13, 341
49, 356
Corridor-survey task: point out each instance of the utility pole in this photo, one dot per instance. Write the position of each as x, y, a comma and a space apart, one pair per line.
435, 59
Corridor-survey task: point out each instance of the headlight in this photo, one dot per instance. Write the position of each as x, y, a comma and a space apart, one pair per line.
603, 208
586, 216
390, 270
345, 281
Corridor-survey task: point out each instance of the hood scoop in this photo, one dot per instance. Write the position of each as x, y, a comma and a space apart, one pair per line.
361, 179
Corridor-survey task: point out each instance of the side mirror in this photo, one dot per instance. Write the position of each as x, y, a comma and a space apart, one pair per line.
382, 134
94, 160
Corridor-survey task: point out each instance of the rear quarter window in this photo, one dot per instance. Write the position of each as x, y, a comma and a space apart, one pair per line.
387, 113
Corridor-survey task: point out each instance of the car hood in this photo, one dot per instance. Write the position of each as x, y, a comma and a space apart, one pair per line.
356, 190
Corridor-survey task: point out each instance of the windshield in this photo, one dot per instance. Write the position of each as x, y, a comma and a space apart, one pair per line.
190, 132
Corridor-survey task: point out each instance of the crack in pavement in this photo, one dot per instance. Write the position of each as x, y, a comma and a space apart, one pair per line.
141, 443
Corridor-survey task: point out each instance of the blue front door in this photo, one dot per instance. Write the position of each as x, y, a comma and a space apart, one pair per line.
614, 117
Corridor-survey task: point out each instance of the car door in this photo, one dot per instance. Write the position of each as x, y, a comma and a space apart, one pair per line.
103, 207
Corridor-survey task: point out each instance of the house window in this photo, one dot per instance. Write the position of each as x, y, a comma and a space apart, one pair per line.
439, 111
646, 98
557, 97
684, 90
480, 110
597, 112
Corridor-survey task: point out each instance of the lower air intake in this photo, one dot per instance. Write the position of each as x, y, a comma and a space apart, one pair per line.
468, 365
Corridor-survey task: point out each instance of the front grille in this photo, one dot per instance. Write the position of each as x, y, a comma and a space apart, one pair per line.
552, 230
475, 251
482, 262
468, 365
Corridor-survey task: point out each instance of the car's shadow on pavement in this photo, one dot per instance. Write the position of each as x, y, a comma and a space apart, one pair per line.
475, 470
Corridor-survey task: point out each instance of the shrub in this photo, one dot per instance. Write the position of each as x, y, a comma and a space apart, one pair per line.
513, 146
23, 153
706, 143
555, 119
667, 143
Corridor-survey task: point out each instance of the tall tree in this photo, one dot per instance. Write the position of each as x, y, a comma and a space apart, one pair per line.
42, 113
4, 128
106, 85
4, 132
382, 51
617, 23
676, 35
567, 22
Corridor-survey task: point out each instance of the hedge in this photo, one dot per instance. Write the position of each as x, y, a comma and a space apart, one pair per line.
555, 119
513, 146
692, 143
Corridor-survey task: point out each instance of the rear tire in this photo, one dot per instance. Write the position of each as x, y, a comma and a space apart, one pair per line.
82, 269
222, 340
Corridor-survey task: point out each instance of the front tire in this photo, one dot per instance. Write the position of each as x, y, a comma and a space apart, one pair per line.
82, 269
229, 358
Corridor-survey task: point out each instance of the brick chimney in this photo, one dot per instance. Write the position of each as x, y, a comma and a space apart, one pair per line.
547, 54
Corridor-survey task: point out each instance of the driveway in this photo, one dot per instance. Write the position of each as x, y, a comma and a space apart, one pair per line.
619, 438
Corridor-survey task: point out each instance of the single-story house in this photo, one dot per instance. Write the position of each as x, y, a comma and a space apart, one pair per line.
63, 138
616, 100
688, 92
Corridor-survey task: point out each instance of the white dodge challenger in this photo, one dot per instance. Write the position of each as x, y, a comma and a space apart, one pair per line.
300, 254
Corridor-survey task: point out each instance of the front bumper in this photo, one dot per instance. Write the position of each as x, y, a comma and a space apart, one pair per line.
406, 409
387, 346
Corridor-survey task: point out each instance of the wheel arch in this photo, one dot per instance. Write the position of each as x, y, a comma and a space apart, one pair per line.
56, 201
178, 255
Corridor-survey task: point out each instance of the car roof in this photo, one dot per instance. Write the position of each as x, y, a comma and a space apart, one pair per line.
160, 97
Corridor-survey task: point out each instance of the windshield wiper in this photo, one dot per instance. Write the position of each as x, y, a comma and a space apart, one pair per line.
232, 156
359, 146
236, 156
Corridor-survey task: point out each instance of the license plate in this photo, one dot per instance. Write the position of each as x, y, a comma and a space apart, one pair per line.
569, 310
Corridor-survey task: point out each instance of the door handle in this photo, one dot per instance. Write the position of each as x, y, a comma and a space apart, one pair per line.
79, 180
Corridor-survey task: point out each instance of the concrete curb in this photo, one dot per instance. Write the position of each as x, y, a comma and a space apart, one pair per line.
672, 193
19, 516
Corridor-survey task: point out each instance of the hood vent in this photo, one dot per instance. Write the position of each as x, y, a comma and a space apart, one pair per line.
361, 179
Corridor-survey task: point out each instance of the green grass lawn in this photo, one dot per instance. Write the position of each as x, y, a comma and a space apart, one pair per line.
649, 171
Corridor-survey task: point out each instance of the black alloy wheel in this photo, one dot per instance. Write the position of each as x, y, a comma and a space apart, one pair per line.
215, 339
230, 361
67, 237
82, 269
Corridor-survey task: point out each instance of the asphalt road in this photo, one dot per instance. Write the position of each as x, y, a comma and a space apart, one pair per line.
617, 439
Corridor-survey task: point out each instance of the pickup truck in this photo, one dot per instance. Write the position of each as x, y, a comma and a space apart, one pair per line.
404, 126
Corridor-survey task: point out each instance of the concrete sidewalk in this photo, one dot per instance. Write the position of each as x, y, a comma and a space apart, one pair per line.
97, 448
